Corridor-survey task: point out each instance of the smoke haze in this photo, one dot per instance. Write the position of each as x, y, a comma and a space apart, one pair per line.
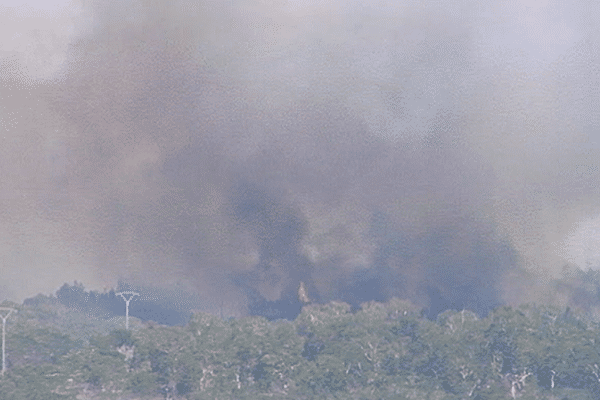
443, 152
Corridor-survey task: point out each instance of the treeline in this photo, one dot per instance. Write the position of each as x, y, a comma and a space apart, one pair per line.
382, 351
107, 305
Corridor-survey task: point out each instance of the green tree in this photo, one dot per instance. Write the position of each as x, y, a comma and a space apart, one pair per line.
143, 382
460, 344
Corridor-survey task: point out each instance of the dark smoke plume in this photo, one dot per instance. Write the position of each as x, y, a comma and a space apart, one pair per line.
438, 152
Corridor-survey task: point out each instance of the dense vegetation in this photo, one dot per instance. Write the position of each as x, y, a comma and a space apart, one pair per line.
382, 351
107, 305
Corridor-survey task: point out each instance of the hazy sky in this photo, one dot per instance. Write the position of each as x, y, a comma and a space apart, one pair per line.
418, 149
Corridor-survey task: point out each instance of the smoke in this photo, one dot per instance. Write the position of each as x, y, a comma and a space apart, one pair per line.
445, 153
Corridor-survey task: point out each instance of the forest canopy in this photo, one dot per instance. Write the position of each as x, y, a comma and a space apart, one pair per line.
380, 351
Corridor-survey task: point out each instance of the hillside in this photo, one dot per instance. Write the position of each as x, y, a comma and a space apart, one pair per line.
382, 351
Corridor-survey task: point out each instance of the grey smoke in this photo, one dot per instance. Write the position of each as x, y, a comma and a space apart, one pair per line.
439, 152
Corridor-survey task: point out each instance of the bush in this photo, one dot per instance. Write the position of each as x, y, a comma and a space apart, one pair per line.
143, 383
